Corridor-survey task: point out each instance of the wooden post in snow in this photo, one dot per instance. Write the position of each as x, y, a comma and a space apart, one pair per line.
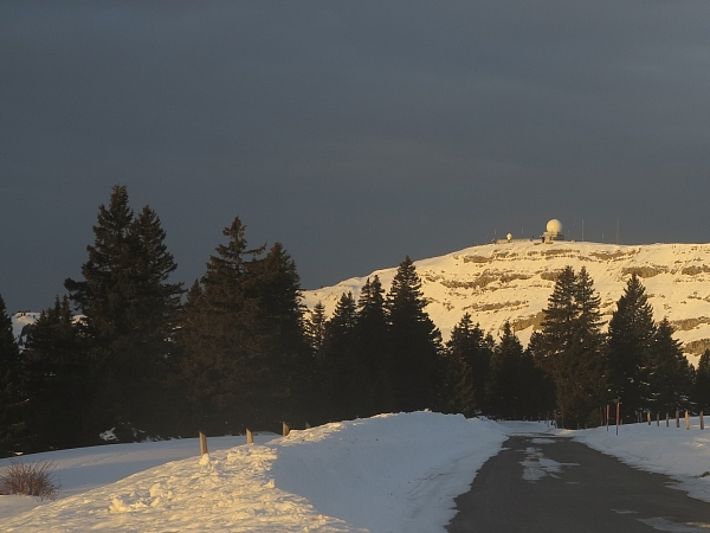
285, 430
677, 418
702, 422
607, 417
648, 417
618, 416
667, 420
687, 419
250, 437
203, 444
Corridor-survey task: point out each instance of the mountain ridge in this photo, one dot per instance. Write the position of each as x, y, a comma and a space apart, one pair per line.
511, 281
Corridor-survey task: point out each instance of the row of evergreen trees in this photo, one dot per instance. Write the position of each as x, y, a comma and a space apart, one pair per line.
148, 359
637, 362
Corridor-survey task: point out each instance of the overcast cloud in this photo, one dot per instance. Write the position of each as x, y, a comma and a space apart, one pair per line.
354, 133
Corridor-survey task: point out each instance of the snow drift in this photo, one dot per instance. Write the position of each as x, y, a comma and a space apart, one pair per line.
395, 472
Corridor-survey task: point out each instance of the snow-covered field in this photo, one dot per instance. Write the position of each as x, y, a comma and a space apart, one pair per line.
397, 472
677, 452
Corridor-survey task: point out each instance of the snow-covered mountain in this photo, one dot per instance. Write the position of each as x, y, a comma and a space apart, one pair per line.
22, 319
513, 280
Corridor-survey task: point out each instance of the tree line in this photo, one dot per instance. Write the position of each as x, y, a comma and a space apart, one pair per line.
129, 354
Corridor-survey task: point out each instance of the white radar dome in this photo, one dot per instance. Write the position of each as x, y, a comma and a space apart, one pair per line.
554, 226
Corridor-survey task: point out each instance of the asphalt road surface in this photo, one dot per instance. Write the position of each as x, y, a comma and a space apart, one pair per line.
552, 484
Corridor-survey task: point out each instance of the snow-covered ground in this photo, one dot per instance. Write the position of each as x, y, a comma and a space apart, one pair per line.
677, 452
396, 472
81, 469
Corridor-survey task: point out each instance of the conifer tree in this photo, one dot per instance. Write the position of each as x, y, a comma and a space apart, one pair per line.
507, 376
701, 387
274, 286
631, 334
584, 388
560, 317
12, 427
371, 343
129, 307
569, 347
469, 359
415, 342
220, 338
315, 327
58, 381
202, 374
546, 401
337, 361
668, 373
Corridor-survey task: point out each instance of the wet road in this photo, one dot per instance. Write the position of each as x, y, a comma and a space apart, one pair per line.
553, 484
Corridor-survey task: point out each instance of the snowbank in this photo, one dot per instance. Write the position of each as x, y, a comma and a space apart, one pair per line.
677, 452
388, 473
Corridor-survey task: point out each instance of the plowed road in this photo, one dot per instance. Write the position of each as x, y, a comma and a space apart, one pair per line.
552, 484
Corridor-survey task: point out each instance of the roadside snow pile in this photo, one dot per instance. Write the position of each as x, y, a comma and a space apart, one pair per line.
677, 452
397, 472
80, 469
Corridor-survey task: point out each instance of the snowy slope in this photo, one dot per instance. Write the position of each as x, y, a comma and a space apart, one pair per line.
512, 281
397, 472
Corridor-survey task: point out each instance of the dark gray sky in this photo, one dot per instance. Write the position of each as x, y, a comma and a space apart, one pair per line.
353, 132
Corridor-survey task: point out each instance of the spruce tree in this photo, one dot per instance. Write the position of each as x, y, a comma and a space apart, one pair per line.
11, 391
469, 359
274, 287
374, 363
631, 334
584, 388
201, 373
315, 327
415, 342
129, 308
507, 376
701, 395
668, 373
220, 339
569, 348
338, 361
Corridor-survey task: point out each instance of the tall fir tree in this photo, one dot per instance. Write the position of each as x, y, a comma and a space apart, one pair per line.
371, 343
12, 396
570, 348
245, 360
668, 373
337, 361
415, 342
584, 390
469, 358
701, 388
220, 339
315, 327
508, 377
129, 307
631, 334
274, 288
